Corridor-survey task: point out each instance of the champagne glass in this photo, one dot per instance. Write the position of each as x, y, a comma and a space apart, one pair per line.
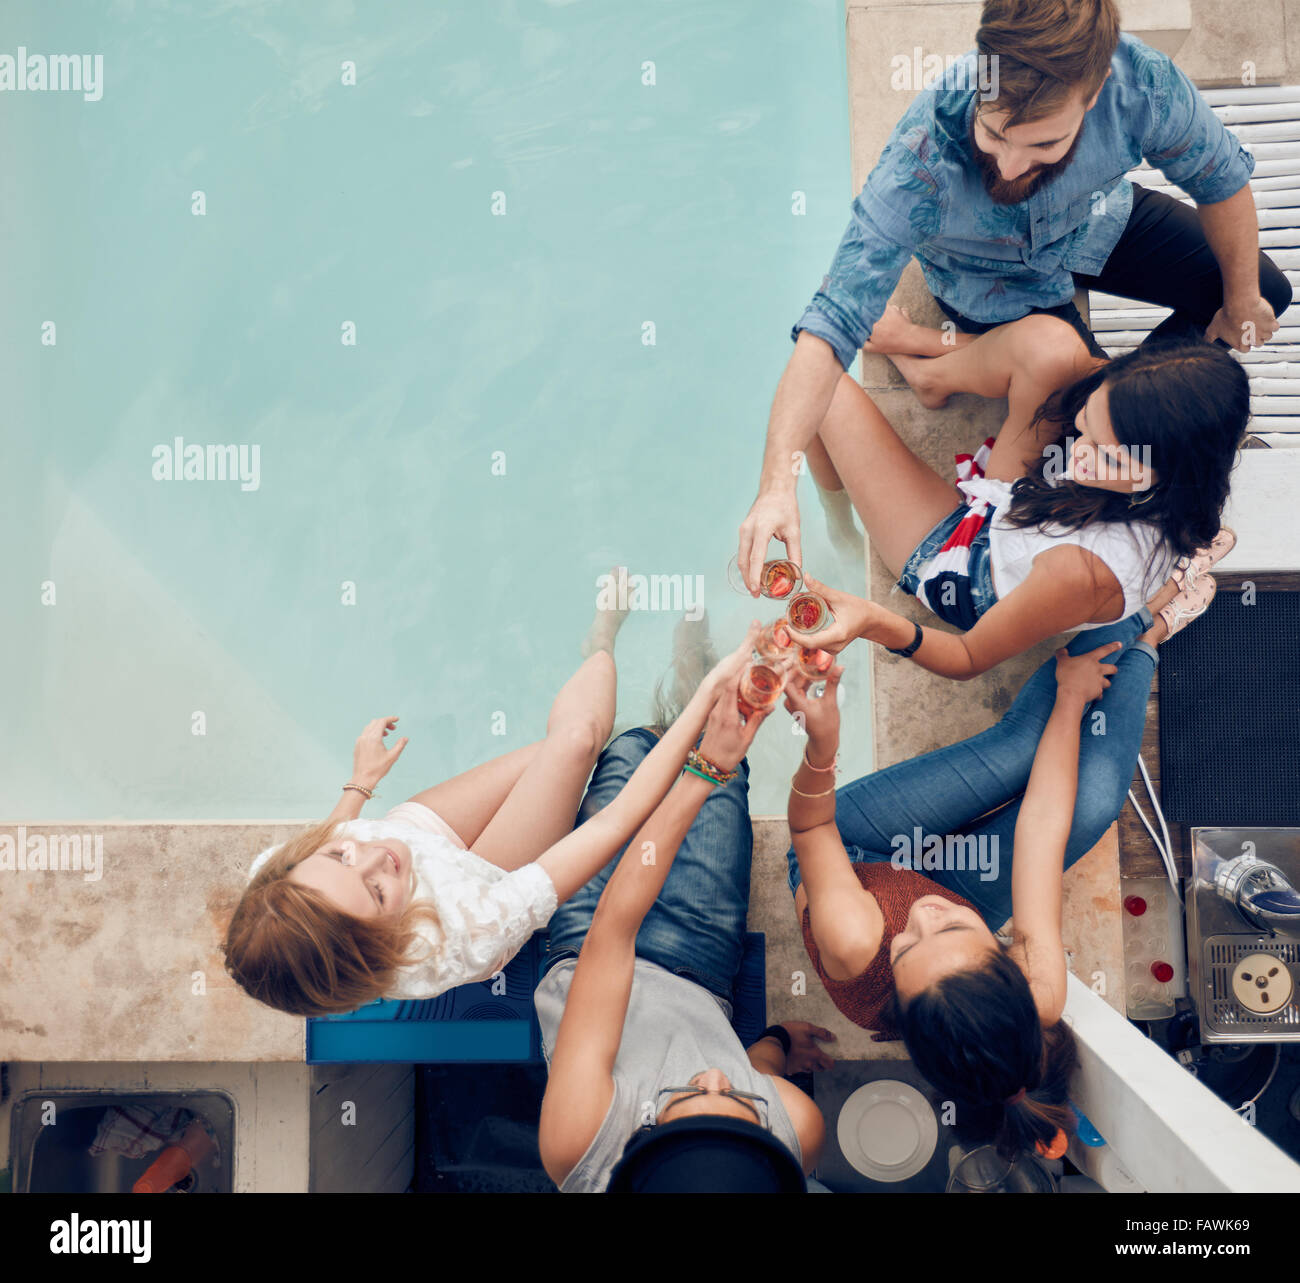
814, 664
779, 578
774, 642
761, 685
985, 1171
809, 612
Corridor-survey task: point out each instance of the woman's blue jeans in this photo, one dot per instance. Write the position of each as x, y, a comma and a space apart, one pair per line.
696, 928
908, 809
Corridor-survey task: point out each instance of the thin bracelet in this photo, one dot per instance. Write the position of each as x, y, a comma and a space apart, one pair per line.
834, 766
801, 793
708, 779
360, 788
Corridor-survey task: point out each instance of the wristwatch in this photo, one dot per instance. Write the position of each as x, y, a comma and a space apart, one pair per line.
781, 1034
907, 651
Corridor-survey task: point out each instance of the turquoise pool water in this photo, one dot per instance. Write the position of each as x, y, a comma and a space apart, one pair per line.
143, 610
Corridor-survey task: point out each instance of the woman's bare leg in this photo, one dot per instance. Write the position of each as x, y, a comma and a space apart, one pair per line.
469, 800
845, 537
898, 497
543, 804
1024, 361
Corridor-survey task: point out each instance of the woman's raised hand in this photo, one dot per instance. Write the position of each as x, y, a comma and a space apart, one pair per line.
372, 759
819, 716
1085, 676
853, 617
732, 665
727, 736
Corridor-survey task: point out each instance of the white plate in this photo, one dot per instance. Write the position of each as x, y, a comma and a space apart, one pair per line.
887, 1130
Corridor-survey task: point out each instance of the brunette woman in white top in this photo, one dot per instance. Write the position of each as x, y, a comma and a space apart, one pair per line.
1106, 505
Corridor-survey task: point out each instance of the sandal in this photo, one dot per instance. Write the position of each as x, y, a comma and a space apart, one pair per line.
1190, 569
1189, 604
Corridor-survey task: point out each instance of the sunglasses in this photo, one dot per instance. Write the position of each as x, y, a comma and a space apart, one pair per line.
758, 1104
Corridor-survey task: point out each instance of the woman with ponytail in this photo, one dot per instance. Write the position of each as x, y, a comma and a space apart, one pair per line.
902, 878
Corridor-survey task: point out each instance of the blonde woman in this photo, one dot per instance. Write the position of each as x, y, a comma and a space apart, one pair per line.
449, 885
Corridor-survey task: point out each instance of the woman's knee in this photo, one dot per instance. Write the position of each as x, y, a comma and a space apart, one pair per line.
1048, 348
580, 738
1103, 788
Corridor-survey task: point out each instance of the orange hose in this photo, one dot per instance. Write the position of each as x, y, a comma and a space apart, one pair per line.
172, 1165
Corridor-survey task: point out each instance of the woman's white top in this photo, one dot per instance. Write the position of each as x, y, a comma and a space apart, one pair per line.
485, 915
1126, 548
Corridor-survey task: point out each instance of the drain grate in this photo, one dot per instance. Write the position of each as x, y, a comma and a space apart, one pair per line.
1220, 1010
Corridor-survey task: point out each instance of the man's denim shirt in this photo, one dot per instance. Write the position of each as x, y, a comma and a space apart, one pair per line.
994, 262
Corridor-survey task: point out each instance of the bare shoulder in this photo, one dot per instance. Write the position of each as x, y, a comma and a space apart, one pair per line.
805, 1118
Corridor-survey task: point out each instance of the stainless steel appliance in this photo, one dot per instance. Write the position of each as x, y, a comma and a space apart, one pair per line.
1243, 934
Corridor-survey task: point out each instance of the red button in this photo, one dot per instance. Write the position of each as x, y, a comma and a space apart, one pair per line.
1162, 972
1135, 904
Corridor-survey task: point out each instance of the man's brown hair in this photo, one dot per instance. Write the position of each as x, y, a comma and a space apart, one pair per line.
1046, 51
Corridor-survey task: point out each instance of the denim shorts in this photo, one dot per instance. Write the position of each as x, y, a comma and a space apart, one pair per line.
970, 597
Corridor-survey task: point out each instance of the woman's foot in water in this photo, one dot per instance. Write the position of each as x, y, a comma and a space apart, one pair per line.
693, 657
611, 612
842, 530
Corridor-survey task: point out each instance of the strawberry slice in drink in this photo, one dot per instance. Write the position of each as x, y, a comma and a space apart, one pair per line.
779, 578
808, 612
814, 662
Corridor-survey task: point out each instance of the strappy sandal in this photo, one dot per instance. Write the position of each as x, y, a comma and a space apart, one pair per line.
1189, 604
1189, 570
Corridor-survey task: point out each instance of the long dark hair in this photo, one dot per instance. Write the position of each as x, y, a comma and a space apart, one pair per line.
976, 1037
1189, 404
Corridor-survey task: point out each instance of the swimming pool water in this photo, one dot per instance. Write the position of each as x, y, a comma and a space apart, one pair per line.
501, 207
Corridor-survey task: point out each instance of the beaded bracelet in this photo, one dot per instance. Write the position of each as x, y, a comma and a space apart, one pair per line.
360, 788
700, 765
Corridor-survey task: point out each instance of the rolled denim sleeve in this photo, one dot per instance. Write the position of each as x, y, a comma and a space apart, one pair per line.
896, 206
1188, 142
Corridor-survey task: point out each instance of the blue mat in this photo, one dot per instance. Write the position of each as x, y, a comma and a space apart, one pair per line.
472, 1024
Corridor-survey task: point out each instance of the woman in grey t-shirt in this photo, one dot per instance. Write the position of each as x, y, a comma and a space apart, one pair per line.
634, 1009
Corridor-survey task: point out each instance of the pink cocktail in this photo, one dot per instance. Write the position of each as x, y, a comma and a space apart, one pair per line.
808, 612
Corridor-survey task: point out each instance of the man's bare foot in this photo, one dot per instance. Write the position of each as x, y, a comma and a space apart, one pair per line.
920, 376
897, 334
611, 612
